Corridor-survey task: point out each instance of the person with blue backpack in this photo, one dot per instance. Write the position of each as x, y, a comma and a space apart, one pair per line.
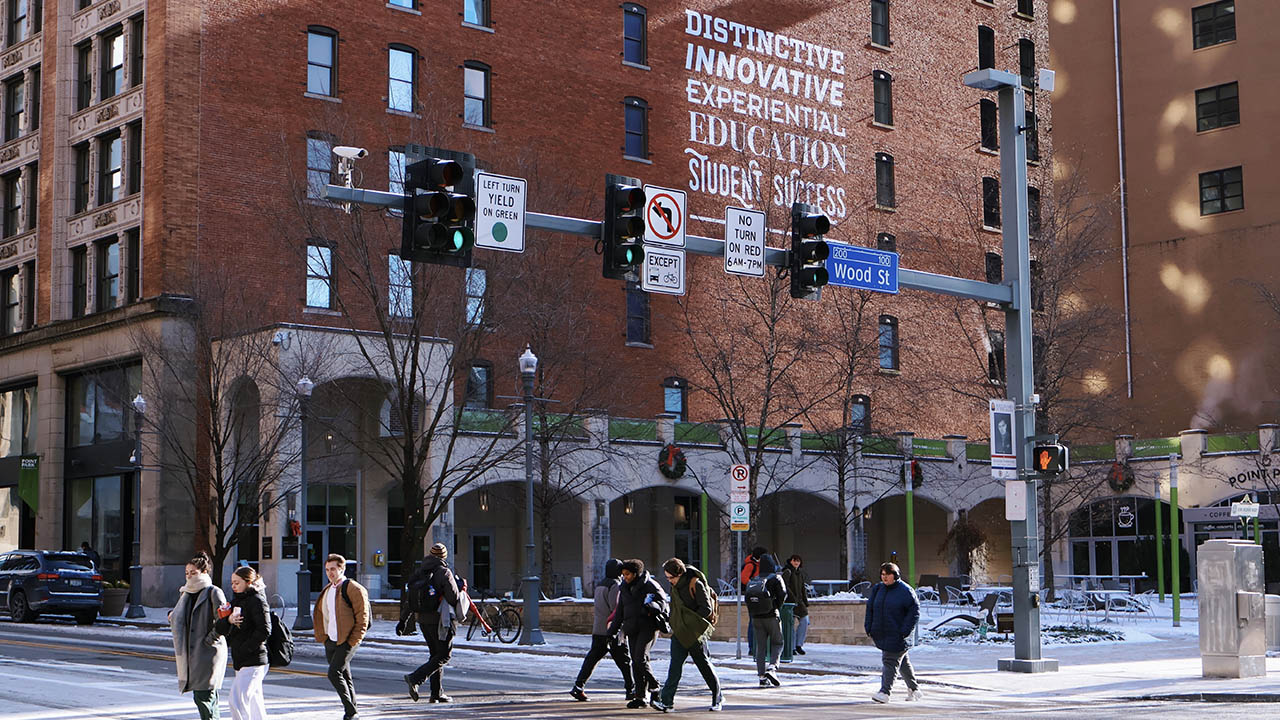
892, 613
340, 620
764, 595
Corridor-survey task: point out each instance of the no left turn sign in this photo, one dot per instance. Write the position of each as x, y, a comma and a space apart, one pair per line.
664, 216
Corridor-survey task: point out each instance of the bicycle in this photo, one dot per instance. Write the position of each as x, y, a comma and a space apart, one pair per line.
497, 620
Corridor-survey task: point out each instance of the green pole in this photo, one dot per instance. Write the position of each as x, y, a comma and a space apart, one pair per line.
1257, 535
1159, 547
911, 526
1175, 545
705, 567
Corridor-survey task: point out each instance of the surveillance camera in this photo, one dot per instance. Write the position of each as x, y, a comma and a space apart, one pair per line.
279, 337
349, 152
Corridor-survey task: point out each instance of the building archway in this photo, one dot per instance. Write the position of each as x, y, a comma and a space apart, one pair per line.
1116, 537
989, 515
657, 523
885, 525
806, 524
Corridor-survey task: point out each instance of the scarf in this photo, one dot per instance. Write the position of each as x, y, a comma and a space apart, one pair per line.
197, 583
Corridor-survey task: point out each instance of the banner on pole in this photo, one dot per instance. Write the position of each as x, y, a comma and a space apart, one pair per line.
29, 482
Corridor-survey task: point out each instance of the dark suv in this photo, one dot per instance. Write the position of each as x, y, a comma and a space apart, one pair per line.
46, 581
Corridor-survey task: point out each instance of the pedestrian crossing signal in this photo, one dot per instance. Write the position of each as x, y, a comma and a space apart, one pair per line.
1049, 459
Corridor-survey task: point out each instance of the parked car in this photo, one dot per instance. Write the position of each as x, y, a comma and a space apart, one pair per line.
34, 582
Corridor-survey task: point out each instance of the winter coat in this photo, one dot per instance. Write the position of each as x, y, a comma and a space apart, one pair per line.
606, 597
439, 576
353, 619
248, 641
750, 569
892, 613
796, 579
691, 608
200, 652
773, 584
631, 615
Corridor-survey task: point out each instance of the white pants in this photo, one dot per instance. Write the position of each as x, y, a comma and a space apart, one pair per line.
246, 694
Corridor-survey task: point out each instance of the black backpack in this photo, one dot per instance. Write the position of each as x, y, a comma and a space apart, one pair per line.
759, 599
279, 643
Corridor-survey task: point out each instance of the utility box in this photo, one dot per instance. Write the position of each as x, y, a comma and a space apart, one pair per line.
1233, 638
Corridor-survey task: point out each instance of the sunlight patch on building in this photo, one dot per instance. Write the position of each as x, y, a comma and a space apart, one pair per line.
1189, 287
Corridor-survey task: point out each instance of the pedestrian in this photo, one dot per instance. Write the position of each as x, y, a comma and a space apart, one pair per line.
642, 603
764, 595
340, 620
199, 651
94, 557
892, 612
693, 619
750, 569
797, 580
602, 642
436, 585
246, 626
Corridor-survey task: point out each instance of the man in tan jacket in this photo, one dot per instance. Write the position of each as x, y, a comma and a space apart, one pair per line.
340, 620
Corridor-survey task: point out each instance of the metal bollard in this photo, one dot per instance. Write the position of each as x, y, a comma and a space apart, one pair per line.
788, 616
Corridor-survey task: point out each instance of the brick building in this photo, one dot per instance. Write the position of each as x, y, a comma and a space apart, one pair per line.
149, 144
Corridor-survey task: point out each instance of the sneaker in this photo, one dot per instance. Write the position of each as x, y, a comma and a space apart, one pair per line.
660, 706
441, 698
764, 681
772, 677
913, 695
798, 650
636, 704
717, 702
413, 687
578, 694
881, 697
631, 694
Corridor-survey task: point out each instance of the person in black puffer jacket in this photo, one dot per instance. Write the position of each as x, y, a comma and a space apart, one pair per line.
892, 613
247, 627
639, 601
439, 587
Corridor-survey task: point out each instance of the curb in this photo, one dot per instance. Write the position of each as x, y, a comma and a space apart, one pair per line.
1212, 697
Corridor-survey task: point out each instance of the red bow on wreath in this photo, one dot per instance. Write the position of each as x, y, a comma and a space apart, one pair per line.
671, 462
1120, 477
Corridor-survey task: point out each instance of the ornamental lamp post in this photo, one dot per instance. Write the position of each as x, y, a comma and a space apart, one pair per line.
303, 621
532, 632
135, 570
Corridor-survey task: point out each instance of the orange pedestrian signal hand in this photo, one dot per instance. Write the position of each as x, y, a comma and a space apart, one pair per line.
1043, 460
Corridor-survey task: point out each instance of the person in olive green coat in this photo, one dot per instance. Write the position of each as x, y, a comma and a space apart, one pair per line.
797, 580
692, 622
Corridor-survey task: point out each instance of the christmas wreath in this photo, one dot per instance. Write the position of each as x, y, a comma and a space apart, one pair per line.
672, 463
1120, 477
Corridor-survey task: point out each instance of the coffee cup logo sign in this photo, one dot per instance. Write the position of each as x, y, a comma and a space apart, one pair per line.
762, 101
1124, 518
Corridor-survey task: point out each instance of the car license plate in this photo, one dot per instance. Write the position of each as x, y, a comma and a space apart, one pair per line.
74, 583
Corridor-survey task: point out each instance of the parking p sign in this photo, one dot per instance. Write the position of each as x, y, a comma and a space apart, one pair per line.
739, 517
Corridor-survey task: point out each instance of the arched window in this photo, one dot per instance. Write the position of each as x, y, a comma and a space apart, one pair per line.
675, 397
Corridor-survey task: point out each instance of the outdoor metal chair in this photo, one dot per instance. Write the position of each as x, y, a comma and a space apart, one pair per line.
861, 588
727, 589
986, 611
927, 594
954, 596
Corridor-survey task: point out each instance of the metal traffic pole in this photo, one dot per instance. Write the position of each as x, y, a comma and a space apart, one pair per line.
737, 626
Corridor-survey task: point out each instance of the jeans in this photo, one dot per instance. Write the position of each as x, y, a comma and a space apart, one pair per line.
641, 674
602, 645
893, 661
768, 633
207, 704
441, 651
247, 702
678, 655
339, 658
802, 630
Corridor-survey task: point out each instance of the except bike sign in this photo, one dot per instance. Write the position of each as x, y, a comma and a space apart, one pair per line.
664, 216
862, 268
663, 271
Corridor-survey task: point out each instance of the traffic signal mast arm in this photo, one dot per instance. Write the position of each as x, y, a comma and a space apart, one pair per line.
697, 245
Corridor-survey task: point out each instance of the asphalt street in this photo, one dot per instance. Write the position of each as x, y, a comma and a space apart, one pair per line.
51, 670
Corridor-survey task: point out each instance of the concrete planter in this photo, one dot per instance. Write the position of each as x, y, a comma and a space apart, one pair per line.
113, 601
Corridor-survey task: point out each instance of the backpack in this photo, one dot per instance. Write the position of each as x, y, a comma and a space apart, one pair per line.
714, 617
759, 599
279, 643
368, 621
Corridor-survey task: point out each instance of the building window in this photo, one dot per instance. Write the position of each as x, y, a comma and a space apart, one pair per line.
1033, 136
476, 109
990, 124
135, 157
995, 356
79, 281
883, 88
1214, 23
476, 284
403, 3
133, 259
637, 315
14, 106
479, 392
888, 342
111, 48
860, 414
399, 287
18, 13
986, 47
110, 168
98, 407
33, 195
84, 75
319, 165
634, 34
1027, 62
395, 171
108, 271
990, 202
1027, 7
880, 22
475, 12
400, 75
995, 267
1221, 191
886, 194
319, 276
322, 61
1218, 106
675, 397
10, 296
137, 51
887, 242
637, 128
29, 295
13, 197
33, 122
1033, 211
1037, 299
80, 199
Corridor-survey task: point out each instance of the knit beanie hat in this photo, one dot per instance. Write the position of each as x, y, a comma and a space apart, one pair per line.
440, 551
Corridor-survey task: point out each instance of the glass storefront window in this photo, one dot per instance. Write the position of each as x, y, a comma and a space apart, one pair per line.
18, 421
98, 404
95, 515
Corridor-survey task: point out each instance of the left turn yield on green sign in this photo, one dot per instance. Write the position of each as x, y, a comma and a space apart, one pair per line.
500, 204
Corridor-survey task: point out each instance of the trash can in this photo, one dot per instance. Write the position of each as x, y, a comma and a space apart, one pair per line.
1273, 622
1233, 637
788, 617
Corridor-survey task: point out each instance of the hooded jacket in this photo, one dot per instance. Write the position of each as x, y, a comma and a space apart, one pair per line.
436, 573
796, 579
892, 613
248, 640
691, 608
606, 595
631, 615
773, 584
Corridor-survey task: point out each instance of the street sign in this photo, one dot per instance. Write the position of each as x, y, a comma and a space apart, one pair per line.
743, 242
500, 205
862, 268
1244, 509
1015, 501
740, 483
663, 271
739, 517
1004, 462
664, 216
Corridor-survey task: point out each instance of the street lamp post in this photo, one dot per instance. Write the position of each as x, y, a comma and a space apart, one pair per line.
135, 570
303, 621
532, 633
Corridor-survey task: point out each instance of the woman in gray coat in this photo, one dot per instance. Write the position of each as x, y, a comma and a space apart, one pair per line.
200, 652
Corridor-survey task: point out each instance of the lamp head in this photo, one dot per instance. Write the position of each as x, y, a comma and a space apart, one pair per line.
140, 404
305, 386
528, 361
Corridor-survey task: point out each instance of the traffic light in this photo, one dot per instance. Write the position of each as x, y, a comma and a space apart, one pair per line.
437, 225
623, 228
1049, 459
808, 252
